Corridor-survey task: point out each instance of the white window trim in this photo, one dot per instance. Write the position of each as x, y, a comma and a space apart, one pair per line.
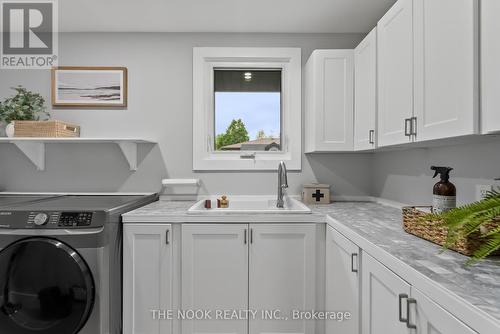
205, 59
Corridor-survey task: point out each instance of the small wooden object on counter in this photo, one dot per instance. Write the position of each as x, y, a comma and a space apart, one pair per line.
46, 129
208, 204
224, 203
434, 231
316, 193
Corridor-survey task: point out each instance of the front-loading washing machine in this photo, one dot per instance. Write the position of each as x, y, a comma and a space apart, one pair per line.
60, 263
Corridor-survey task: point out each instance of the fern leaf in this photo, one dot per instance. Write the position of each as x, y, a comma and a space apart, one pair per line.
486, 249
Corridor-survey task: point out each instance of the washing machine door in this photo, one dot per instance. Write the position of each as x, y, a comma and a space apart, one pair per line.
46, 287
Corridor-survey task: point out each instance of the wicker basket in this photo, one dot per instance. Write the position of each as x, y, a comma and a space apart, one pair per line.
46, 129
414, 223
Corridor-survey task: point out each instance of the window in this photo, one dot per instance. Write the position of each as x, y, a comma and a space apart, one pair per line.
246, 108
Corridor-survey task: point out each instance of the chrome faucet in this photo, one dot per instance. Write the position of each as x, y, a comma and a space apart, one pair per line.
282, 183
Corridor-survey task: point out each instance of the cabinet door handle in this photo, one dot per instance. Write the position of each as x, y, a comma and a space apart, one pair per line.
245, 237
167, 241
251, 235
372, 137
401, 297
409, 302
354, 255
414, 126
408, 127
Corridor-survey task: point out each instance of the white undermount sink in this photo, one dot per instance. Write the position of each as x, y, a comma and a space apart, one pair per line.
251, 205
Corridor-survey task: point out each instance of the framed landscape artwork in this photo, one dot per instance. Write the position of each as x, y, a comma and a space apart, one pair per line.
89, 86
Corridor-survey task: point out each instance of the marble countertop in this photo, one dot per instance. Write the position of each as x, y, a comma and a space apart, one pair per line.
176, 212
380, 225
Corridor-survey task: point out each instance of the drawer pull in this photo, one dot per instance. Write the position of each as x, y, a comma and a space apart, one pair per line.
401, 297
354, 255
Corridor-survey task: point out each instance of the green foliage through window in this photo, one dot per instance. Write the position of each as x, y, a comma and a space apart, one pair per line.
236, 133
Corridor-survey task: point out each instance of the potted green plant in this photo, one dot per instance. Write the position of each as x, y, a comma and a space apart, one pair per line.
23, 106
481, 218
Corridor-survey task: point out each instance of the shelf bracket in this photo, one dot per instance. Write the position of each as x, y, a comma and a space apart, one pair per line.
35, 151
129, 150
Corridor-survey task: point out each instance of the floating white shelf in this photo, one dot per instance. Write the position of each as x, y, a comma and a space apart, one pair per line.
34, 148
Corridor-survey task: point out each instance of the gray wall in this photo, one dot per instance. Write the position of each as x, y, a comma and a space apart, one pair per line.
405, 176
160, 108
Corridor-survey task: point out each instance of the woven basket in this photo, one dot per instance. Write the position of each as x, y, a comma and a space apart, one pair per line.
414, 223
46, 129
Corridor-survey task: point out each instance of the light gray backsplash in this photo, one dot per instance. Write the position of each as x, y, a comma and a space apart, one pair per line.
160, 108
405, 176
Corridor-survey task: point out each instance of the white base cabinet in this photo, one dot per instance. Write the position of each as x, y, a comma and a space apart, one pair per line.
329, 114
342, 282
270, 267
214, 275
430, 318
382, 299
391, 305
147, 278
261, 267
282, 276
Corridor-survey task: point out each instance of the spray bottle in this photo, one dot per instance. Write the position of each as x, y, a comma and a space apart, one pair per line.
444, 194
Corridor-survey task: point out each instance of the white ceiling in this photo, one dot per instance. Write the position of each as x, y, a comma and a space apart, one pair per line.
279, 16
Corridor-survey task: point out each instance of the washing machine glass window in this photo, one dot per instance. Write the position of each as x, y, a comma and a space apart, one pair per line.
45, 288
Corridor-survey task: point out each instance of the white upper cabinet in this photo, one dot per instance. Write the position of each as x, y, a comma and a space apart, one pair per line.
282, 276
214, 275
365, 92
342, 281
329, 113
490, 66
446, 68
395, 74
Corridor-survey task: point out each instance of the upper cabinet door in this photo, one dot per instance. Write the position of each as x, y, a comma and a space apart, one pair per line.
490, 66
365, 92
382, 306
329, 101
395, 74
147, 277
342, 281
446, 68
430, 318
282, 276
214, 275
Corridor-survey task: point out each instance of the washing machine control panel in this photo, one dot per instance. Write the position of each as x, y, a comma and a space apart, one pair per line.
60, 219
75, 219
49, 219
